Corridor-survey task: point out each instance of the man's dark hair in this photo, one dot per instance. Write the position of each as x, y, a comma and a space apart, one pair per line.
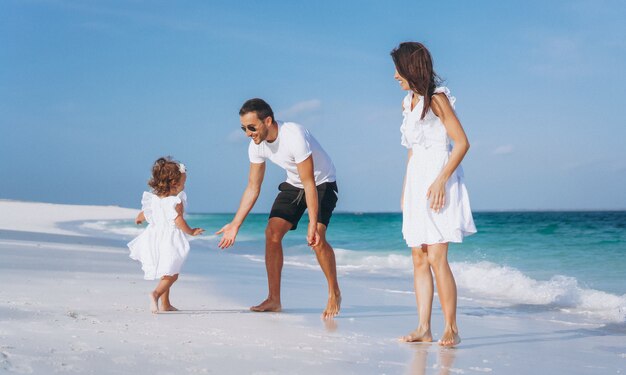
262, 109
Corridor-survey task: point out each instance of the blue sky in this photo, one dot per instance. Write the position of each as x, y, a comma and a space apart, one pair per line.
92, 92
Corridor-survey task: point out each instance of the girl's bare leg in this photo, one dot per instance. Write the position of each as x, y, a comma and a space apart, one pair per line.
165, 298
163, 286
446, 288
423, 282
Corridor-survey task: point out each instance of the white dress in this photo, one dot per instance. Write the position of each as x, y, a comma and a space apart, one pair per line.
162, 248
431, 150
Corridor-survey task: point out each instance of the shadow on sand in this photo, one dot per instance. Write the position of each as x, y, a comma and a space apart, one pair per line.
205, 312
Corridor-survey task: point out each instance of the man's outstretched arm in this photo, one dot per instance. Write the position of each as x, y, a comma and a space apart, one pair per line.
248, 199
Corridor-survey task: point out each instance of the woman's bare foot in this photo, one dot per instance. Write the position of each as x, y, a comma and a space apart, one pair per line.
450, 338
168, 308
419, 335
267, 306
154, 302
332, 307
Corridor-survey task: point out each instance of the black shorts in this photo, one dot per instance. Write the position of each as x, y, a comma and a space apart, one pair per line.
290, 203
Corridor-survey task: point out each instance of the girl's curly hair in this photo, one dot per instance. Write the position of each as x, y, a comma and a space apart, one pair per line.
165, 175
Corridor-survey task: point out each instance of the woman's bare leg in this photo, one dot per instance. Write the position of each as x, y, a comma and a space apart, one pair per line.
423, 282
446, 288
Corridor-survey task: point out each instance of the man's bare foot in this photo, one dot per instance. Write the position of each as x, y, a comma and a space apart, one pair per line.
419, 335
332, 307
267, 306
154, 302
168, 308
450, 338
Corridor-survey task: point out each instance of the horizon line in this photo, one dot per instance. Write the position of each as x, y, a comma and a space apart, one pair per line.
474, 211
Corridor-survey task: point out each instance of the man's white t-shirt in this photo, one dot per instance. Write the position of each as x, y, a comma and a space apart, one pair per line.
292, 146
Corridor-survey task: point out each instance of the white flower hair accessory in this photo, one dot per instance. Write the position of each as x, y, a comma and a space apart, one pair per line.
182, 168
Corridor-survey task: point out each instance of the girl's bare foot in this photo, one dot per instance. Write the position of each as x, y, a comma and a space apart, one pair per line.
154, 302
267, 306
168, 308
450, 338
419, 335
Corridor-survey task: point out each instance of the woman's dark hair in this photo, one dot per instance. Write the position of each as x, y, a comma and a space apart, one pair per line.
414, 63
165, 175
262, 109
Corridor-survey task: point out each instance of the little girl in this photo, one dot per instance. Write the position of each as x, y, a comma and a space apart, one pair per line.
162, 248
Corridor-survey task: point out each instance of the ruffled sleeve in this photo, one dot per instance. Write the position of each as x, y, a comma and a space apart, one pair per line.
146, 205
403, 140
446, 91
183, 198
169, 207
406, 104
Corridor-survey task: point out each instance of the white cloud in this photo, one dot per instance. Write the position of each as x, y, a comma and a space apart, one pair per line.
304, 107
236, 136
503, 150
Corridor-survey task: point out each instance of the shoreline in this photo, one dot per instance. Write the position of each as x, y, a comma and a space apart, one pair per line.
480, 211
75, 302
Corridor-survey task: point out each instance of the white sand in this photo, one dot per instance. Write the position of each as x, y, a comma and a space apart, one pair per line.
72, 301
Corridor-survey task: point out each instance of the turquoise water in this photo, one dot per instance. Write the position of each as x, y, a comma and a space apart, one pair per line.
574, 262
590, 246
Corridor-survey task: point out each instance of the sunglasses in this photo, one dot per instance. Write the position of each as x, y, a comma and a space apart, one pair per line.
248, 127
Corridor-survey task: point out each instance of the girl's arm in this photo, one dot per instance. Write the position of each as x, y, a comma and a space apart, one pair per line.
140, 218
182, 224
442, 109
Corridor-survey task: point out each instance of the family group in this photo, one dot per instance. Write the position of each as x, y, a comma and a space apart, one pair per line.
435, 204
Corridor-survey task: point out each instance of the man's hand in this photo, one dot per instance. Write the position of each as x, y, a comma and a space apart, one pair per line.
312, 236
230, 233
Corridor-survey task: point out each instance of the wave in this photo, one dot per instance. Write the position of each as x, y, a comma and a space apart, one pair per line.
122, 229
483, 282
111, 227
486, 282
508, 285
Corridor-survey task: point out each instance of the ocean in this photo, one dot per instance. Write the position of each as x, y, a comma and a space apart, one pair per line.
566, 266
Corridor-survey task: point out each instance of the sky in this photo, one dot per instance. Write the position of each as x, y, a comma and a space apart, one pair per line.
92, 92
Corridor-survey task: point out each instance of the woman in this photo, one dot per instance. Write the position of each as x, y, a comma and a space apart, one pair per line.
435, 204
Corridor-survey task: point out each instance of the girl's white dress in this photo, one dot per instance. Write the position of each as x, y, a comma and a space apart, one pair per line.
162, 248
431, 150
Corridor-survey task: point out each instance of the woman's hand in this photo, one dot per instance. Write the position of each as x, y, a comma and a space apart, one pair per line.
437, 195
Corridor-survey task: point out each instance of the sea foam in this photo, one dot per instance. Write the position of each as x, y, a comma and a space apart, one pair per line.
483, 281
492, 283
509, 285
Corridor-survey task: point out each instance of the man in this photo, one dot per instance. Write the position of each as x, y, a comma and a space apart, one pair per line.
310, 185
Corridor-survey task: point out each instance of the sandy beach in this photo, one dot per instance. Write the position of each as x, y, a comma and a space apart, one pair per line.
72, 301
